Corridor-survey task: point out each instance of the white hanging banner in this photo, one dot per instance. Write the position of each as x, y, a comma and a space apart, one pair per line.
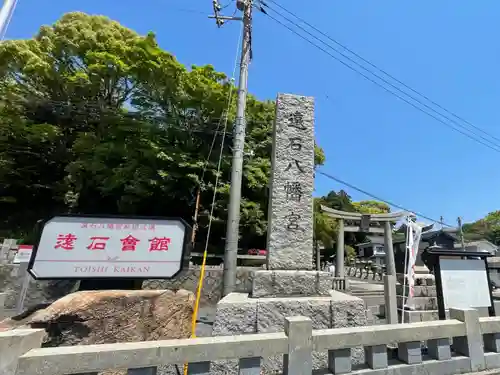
413, 242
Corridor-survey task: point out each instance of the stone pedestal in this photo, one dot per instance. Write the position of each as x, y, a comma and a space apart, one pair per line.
239, 313
279, 294
291, 284
423, 306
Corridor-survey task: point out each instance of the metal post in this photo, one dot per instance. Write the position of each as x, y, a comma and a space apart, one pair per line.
5, 14
233, 219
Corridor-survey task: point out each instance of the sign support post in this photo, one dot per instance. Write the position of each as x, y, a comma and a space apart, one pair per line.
23, 256
462, 279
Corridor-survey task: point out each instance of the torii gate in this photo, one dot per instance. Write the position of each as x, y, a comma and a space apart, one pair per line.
362, 224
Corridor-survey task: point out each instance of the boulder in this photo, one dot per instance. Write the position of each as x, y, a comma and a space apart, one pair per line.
110, 316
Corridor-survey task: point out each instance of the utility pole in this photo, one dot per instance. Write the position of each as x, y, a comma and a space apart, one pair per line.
233, 217
459, 221
219, 21
5, 15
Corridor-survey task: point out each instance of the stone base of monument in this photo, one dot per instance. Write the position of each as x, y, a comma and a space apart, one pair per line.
414, 316
240, 313
292, 283
423, 306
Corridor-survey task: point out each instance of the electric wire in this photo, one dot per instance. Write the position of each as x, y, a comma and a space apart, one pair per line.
90, 109
185, 10
384, 71
386, 81
219, 164
226, 113
362, 191
494, 146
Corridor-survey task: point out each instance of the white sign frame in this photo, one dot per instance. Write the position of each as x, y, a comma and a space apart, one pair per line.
23, 254
108, 262
465, 283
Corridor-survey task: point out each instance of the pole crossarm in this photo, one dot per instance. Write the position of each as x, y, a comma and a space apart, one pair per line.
356, 216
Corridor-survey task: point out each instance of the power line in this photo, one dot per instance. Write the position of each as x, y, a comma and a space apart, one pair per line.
186, 10
95, 111
212, 208
494, 146
359, 190
229, 101
384, 71
387, 82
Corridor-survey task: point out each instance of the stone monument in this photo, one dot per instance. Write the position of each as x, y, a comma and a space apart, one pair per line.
289, 286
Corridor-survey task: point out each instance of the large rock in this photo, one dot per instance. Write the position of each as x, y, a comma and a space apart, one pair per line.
109, 316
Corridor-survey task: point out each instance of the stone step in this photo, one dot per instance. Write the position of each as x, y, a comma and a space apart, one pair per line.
420, 279
419, 290
419, 303
367, 293
420, 316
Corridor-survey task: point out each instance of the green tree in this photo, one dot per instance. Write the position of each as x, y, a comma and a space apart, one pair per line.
98, 119
339, 201
325, 228
486, 228
371, 207
350, 254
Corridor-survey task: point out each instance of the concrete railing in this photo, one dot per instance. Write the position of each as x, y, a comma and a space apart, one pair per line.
476, 347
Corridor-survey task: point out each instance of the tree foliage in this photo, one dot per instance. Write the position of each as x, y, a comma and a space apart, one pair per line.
371, 207
325, 228
95, 118
485, 228
98, 119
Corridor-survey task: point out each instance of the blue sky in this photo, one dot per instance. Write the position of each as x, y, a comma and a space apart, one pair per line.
447, 50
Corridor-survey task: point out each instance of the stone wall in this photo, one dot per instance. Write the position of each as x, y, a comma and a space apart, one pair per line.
39, 292
11, 281
212, 284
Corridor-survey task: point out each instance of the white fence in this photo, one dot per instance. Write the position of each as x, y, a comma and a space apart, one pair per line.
476, 347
